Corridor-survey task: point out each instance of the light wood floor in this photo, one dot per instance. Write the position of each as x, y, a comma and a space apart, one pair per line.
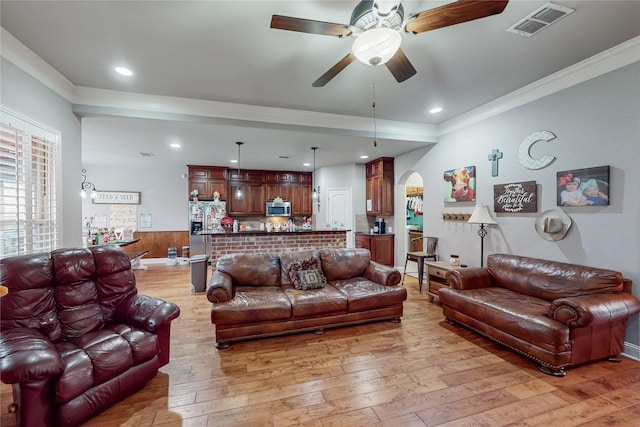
421, 372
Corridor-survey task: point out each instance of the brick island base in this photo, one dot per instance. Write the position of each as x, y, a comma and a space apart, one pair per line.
261, 242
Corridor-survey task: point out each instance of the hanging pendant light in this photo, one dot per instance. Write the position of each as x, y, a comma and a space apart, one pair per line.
315, 195
239, 194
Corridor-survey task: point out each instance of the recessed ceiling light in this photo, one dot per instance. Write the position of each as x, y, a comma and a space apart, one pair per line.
435, 110
234, 161
174, 145
124, 71
306, 164
364, 157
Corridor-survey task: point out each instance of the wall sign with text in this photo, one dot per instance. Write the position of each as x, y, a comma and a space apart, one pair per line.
515, 197
117, 197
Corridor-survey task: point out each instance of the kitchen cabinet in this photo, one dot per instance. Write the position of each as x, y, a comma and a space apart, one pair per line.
380, 246
294, 187
379, 187
207, 180
252, 202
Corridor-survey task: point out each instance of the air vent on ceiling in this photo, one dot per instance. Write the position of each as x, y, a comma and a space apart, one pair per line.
147, 154
540, 19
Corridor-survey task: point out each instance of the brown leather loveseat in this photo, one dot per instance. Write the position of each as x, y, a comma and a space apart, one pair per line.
555, 313
75, 336
258, 295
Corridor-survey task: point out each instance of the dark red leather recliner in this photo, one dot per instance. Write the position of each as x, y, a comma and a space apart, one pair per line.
75, 336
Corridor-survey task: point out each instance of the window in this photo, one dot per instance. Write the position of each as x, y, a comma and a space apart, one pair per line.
29, 215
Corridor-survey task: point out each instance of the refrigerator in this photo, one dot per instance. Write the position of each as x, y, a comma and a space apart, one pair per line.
204, 219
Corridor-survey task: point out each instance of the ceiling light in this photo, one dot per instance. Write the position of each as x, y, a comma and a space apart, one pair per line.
435, 110
233, 161
306, 164
174, 145
364, 156
376, 46
239, 194
124, 71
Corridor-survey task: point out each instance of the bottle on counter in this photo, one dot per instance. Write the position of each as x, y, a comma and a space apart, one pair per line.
383, 227
261, 225
269, 225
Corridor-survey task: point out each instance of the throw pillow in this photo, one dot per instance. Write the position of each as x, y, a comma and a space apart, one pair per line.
310, 279
305, 264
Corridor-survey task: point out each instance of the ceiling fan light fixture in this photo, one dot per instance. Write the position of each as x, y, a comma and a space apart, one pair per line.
376, 46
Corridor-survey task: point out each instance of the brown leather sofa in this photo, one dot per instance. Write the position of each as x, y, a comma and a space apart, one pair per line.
555, 313
75, 336
256, 295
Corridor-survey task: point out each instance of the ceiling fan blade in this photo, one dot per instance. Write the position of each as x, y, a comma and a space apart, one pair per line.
454, 13
333, 71
400, 66
280, 22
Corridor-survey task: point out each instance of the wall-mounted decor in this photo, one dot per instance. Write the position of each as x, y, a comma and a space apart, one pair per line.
460, 184
524, 155
117, 197
463, 217
493, 157
515, 197
584, 187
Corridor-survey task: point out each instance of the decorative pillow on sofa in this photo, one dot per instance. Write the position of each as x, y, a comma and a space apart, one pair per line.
310, 279
305, 264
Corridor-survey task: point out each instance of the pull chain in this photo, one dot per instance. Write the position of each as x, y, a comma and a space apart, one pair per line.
373, 105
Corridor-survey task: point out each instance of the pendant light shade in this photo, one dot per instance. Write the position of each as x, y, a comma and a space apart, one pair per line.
377, 45
239, 194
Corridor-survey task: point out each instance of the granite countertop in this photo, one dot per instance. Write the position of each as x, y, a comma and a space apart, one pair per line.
232, 233
374, 234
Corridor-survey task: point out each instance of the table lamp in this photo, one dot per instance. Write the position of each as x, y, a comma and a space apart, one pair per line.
481, 216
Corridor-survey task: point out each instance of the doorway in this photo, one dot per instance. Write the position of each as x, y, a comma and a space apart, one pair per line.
340, 211
411, 192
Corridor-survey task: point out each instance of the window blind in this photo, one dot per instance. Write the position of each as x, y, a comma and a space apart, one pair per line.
29, 214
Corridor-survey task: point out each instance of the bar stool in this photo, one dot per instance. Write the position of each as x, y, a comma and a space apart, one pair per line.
420, 257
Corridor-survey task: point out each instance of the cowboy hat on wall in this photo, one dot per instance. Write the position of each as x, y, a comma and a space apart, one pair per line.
553, 224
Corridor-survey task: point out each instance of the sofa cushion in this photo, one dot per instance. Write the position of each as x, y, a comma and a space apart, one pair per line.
252, 304
30, 302
292, 262
251, 269
316, 302
519, 315
343, 264
550, 280
363, 294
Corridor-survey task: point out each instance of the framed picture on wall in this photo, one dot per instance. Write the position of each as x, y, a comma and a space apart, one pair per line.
583, 187
460, 184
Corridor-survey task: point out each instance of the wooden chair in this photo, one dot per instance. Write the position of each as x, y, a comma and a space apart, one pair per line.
421, 257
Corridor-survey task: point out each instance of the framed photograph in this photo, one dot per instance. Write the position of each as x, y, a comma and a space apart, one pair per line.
145, 220
583, 187
516, 197
117, 197
460, 184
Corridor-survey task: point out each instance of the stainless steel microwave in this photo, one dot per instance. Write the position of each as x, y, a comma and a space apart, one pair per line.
278, 209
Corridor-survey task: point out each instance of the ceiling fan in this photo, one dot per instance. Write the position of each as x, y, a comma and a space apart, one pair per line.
377, 25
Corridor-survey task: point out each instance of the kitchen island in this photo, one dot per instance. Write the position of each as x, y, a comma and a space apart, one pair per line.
275, 241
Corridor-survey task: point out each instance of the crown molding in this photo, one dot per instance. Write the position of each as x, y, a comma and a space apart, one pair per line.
609, 60
172, 108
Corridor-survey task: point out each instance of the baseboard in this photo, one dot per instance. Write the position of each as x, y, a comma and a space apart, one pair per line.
632, 351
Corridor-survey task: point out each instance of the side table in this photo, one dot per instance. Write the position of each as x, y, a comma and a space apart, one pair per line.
437, 277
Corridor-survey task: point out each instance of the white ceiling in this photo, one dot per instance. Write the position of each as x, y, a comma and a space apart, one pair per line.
223, 54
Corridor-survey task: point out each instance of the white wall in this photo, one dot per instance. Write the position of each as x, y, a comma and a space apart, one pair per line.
597, 123
30, 98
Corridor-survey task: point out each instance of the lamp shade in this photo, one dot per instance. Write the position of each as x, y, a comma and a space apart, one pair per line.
377, 45
481, 215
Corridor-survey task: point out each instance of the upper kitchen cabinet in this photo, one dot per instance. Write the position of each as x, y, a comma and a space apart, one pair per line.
253, 188
379, 186
207, 180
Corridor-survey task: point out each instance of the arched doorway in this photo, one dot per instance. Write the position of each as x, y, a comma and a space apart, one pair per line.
410, 191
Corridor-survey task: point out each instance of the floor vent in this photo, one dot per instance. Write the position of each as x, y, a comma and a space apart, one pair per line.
540, 19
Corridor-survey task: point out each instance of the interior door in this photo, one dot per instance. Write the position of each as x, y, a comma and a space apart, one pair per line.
340, 209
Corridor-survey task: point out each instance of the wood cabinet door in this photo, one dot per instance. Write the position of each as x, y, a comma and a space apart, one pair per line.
363, 241
382, 249
374, 195
252, 202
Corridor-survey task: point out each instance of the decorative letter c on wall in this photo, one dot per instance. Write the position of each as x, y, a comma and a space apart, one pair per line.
524, 157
